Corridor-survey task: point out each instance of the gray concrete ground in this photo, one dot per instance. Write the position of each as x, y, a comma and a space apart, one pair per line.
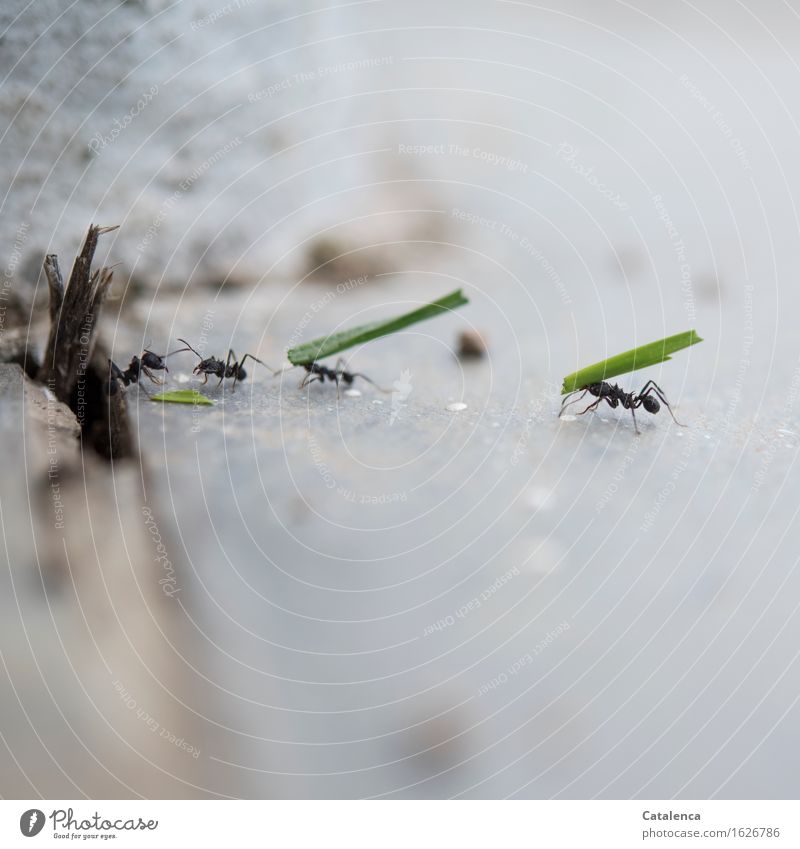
395, 599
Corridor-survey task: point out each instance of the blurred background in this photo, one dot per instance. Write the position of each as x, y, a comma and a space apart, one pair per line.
299, 595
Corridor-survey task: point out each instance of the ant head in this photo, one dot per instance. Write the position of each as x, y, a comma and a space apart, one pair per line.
595, 389
651, 404
208, 366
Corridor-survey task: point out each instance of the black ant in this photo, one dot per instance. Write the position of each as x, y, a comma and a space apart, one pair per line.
338, 374
230, 368
615, 395
146, 364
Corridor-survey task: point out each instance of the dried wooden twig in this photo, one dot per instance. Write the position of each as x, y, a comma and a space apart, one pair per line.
55, 283
74, 312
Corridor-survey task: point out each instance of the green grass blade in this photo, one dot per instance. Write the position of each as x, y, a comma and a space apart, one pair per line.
310, 352
641, 357
183, 396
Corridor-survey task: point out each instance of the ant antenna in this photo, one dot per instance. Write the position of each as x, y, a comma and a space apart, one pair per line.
566, 403
187, 348
179, 351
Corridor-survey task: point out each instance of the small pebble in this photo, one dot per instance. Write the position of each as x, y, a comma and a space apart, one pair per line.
569, 418
456, 407
352, 393
471, 345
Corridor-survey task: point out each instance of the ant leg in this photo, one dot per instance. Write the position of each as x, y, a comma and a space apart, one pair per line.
227, 369
153, 378
280, 371
241, 364
370, 380
338, 370
654, 387
341, 367
258, 361
635, 426
564, 403
236, 365
592, 406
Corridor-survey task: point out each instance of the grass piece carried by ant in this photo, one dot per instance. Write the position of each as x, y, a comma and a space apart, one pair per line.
312, 352
645, 355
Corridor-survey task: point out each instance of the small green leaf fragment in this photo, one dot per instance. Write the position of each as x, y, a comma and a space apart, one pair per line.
645, 355
183, 396
310, 352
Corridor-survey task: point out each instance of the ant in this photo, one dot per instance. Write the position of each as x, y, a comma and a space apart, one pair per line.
338, 374
615, 395
230, 368
146, 364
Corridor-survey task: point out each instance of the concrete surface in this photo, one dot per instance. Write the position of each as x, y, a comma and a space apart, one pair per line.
482, 603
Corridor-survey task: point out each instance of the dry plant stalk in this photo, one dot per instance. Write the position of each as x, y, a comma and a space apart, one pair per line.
74, 312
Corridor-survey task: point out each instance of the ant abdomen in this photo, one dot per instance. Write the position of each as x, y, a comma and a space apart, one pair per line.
151, 360
651, 404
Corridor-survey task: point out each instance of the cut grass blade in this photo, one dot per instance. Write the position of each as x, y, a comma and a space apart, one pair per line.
641, 357
183, 396
310, 352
